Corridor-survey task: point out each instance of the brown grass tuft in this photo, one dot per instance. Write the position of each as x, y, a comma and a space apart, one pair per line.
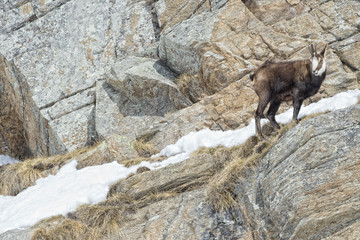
106, 219
67, 229
145, 149
136, 161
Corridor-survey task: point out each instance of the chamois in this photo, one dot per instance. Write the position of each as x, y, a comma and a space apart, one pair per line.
278, 81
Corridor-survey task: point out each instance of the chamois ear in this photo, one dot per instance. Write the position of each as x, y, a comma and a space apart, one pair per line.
323, 51
310, 48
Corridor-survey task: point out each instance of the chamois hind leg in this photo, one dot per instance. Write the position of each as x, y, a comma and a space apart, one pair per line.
274, 106
264, 99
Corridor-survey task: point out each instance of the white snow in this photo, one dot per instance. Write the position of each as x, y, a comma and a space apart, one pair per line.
207, 138
4, 160
64, 192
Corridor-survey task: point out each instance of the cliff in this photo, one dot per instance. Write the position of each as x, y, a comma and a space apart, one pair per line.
102, 81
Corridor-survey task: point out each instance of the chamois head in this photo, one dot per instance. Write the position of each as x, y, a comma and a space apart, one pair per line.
317, 60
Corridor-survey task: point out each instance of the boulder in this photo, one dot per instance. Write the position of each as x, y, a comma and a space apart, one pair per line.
24, 132
145, 87
172, 12
133, 28
77, 128
46, 50
348, 51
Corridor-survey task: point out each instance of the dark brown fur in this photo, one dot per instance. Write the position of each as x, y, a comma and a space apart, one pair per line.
275, 82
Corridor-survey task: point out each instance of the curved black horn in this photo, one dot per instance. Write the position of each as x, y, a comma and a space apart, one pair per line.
309, 48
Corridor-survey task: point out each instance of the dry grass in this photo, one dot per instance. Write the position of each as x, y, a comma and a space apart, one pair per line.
145, 149
19, 176
67, 229
96, 221
237, 163
136, 161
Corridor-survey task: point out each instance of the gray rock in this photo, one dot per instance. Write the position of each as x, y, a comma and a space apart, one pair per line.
42, 7
185, 216
145, 87
348, 51
30, 134
16, 234
70, 104
62, 53
180, 175
133, 29
15, 15
178, 44
76, 129
306, 187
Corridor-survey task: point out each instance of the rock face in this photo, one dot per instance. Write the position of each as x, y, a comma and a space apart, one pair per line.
76, 72
306, 187
66, 51
23, 130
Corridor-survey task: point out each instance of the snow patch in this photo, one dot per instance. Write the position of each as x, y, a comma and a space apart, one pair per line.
69, 188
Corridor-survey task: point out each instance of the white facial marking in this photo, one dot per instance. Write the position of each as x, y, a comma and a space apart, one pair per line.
321, 70
315, 63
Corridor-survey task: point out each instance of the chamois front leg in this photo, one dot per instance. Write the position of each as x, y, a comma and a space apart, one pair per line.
274, 106
297, 105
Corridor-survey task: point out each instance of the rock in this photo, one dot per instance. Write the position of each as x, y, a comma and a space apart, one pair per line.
121, 148
145, 87
24, 132
336, 18
76, 129
45, 50
306, 185
178, 45
15, 16
42, 7
17, 234
305, 26
182, 217
348, 51
108, 114
270, 12
133, 29
172, 12
70, 104
175, 176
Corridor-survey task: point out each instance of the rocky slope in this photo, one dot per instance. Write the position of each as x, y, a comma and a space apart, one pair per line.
76, 72
90, 69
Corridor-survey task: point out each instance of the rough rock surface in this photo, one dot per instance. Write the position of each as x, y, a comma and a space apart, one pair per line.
145, 87
74, 72
307, 186
23, 130
65, 49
